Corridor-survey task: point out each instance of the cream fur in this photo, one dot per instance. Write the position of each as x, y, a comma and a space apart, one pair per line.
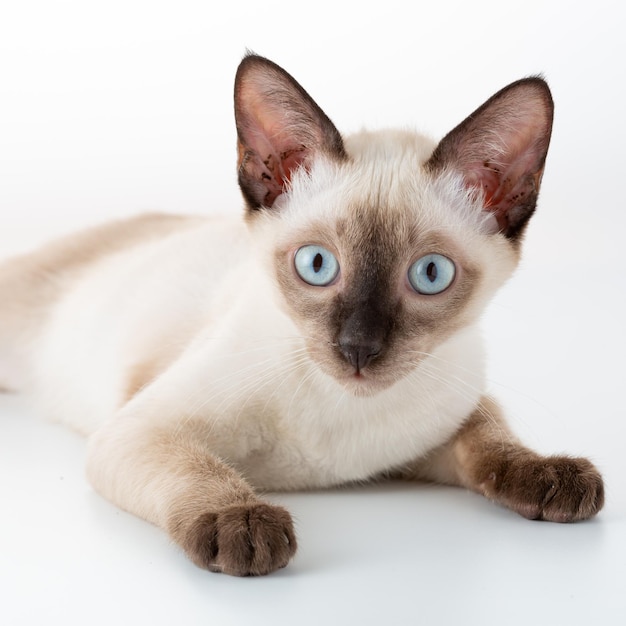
199, 301
201, 367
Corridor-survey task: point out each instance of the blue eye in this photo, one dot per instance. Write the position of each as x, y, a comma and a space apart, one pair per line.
431, 274
316, 265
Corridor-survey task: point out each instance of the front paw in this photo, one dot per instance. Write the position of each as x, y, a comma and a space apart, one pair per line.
556, 489
242, 540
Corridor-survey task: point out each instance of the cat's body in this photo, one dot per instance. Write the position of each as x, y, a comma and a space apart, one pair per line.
208, 357
198, 285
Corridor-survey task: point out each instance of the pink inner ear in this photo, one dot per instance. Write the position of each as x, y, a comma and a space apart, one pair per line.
271, 166
291, 160
511, 181
277, 171
501, 149
271, 154
481, 177
280, 128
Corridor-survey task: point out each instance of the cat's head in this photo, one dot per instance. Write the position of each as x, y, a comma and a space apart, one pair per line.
384, 245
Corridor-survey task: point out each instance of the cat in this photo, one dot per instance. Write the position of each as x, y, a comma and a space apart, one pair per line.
330, 335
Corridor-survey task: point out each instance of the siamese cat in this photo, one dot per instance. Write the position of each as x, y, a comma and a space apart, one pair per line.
329, 336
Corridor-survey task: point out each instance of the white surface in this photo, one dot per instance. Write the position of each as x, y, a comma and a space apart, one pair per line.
112, 110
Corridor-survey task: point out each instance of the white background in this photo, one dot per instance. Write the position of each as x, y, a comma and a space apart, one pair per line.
111, 108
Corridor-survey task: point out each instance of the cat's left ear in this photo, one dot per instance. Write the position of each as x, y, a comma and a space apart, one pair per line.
279, 128
501, 149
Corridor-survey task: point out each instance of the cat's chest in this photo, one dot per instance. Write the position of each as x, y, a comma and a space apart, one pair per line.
328, 440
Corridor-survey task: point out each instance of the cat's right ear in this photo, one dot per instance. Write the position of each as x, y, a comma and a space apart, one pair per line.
279, 129
500, 150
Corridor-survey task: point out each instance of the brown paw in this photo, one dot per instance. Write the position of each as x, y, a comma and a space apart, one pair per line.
556, 489
244, 540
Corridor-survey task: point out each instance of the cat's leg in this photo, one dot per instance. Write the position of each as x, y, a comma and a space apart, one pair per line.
485, 457
170, 477
155, 461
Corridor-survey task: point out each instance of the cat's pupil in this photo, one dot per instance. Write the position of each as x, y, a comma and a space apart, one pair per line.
318, 261
431, 272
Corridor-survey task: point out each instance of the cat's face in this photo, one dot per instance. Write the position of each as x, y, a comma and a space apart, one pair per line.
385, 245
378, 262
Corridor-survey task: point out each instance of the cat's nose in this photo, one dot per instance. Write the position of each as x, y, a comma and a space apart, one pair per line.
363, 336
359, 355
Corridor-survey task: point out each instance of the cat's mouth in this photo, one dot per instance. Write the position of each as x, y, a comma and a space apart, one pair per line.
357, 378
357, 382
364, 383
